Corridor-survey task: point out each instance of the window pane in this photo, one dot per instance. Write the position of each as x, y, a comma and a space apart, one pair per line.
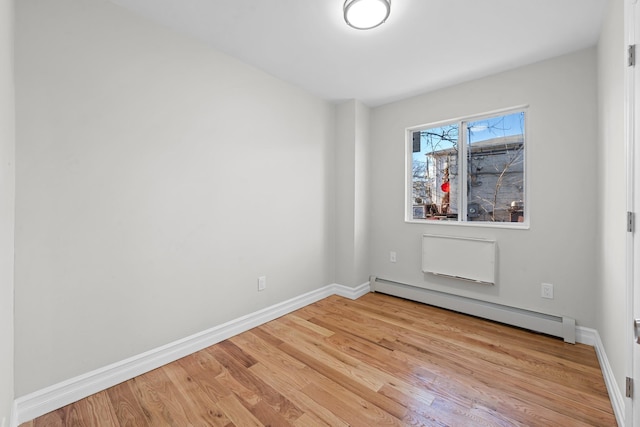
495, 169
435, 175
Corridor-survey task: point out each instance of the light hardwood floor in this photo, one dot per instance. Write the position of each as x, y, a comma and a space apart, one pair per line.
376, 361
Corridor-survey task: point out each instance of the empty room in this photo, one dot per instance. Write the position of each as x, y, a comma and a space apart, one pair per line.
312, 213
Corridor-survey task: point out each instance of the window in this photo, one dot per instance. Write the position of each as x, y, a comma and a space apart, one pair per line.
470, 170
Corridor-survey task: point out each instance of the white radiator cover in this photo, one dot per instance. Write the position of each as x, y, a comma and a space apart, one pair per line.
557, 326
461, 258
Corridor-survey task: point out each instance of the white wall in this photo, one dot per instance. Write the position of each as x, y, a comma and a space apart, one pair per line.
611, 296
156, 180
7, 206
362, 197
559, 248
352, 193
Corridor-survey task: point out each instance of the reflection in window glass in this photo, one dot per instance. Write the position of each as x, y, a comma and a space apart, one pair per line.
435, 172
469, 170
495, 169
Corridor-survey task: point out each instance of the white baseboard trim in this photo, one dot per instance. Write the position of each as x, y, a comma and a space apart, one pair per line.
592, 337
586, 336
38, 403
351, 293
13, 419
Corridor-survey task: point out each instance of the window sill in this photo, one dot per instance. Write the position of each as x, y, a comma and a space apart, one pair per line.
443, 223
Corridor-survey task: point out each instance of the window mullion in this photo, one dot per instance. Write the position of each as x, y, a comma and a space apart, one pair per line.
462, 172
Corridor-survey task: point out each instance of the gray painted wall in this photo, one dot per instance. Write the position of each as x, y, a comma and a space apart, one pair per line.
559, 247
156, 180
611, 287
7, 206
352, 193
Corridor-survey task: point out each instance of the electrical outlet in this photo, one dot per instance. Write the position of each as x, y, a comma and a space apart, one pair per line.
547, 291
392, 256
262, 283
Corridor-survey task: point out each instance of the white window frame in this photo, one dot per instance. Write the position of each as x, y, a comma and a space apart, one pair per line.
462, 162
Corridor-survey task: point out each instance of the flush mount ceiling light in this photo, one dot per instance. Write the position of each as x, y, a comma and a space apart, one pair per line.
366, 14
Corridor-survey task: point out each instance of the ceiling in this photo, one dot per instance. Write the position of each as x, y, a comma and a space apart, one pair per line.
423, 46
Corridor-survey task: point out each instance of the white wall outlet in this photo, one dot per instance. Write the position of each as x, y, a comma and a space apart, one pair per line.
547, 291
262, 283
392, 256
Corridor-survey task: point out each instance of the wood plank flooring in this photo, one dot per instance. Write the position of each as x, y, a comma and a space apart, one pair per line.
376, 361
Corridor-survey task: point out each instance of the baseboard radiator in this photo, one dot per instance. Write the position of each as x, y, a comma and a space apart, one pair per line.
558, 326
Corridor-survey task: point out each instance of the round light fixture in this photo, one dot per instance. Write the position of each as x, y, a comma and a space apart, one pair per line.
366, 14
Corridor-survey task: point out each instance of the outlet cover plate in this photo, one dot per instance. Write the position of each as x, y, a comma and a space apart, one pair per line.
547, 291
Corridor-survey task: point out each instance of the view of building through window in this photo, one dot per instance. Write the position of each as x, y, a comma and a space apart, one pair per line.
469, 170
